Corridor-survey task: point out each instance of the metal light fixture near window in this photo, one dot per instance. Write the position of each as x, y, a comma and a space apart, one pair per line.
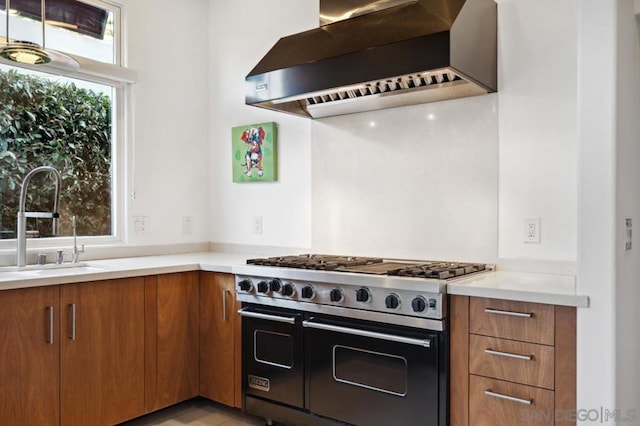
29, 53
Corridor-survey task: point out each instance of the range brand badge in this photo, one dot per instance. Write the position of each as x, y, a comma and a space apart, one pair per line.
259, 383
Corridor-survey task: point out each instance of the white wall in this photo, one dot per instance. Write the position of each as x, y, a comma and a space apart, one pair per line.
596, 342
536, 134
241, 33
536, 170
168, 45
627, 206
415, 182
537, 126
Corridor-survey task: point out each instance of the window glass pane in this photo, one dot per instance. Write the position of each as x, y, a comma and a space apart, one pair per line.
61, 122
72, 27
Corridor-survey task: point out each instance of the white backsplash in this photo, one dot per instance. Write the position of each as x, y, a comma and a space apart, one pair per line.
414, 182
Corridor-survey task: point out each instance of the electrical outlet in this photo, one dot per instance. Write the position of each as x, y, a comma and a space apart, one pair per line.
532, 230
140, 225
257, 224
187, 225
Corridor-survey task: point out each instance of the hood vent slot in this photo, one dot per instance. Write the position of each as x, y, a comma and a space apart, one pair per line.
414, 52
385, 86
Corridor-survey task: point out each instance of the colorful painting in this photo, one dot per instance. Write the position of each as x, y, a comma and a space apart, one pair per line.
254, 153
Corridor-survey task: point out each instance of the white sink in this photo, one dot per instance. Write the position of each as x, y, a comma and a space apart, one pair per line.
35, 271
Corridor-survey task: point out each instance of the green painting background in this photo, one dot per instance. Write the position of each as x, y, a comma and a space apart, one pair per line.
269, 158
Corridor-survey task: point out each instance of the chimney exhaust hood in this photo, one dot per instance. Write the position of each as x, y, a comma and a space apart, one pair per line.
375, 54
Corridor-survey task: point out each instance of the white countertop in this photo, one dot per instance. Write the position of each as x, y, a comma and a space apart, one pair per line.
554, 289
528, 287
122, 268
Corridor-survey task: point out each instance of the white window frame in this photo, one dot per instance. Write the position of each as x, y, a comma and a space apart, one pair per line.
121, 79
118, 33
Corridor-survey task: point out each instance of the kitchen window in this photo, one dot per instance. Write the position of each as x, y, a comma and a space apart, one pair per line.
73, 121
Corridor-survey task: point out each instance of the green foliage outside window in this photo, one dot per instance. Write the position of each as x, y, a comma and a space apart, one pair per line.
43, 122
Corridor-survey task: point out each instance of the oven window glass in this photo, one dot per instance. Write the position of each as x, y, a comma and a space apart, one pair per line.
372, 370
273, 348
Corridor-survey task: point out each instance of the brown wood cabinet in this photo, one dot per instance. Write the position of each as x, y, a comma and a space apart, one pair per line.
171, 339
102, 352
220, 352
29, 356
511, 362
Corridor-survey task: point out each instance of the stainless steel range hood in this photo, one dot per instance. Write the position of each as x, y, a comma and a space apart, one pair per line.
375, 54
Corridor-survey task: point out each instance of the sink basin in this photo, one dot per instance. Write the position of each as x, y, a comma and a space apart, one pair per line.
34, 271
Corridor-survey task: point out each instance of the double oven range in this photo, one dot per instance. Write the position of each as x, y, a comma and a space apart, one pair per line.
334, 340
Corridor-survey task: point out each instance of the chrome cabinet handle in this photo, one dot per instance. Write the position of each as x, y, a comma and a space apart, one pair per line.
508, 355
224, 304
72, 336
508, 398
509, 313
366, 333
50, 317
289, 320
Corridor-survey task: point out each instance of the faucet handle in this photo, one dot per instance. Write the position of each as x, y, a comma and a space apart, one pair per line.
59, 257
75, 256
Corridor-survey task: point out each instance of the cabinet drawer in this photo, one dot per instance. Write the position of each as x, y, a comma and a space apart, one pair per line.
497, 403
528, 322
520, 362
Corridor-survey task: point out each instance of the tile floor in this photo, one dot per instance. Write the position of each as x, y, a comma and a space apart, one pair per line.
197, 412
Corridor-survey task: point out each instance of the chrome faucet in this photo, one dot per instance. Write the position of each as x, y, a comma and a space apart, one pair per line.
75, 255
21, 246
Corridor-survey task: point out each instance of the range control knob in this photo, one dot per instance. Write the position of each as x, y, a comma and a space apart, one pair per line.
275, 285
246, 285
418, 304
288, 289
307, 292
363, 295
263, 287
392, 301
335, 295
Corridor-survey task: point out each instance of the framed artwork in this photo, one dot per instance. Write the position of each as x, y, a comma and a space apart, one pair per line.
253, 149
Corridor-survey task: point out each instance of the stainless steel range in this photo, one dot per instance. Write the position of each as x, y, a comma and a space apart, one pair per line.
333, 340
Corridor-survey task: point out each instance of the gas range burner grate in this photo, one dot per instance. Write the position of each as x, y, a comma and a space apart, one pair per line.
314, 261
439, 270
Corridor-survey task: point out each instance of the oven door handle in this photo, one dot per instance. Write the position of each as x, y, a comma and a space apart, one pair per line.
246, 313
426, 343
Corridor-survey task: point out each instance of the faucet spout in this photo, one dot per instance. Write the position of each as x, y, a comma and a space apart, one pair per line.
21, 246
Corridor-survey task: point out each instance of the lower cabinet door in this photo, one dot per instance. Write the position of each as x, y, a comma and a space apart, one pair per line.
29, 357
499, 403
219, 365
171, 339
102, 352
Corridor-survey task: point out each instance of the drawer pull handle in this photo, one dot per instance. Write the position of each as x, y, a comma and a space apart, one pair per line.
508, 398
50, 337
508, 355
224, 304
508, 313
72, 335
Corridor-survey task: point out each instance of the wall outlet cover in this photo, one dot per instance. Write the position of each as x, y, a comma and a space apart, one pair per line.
531, 230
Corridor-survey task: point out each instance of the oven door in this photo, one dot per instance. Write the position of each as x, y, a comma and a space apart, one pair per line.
273, 360
372, 374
